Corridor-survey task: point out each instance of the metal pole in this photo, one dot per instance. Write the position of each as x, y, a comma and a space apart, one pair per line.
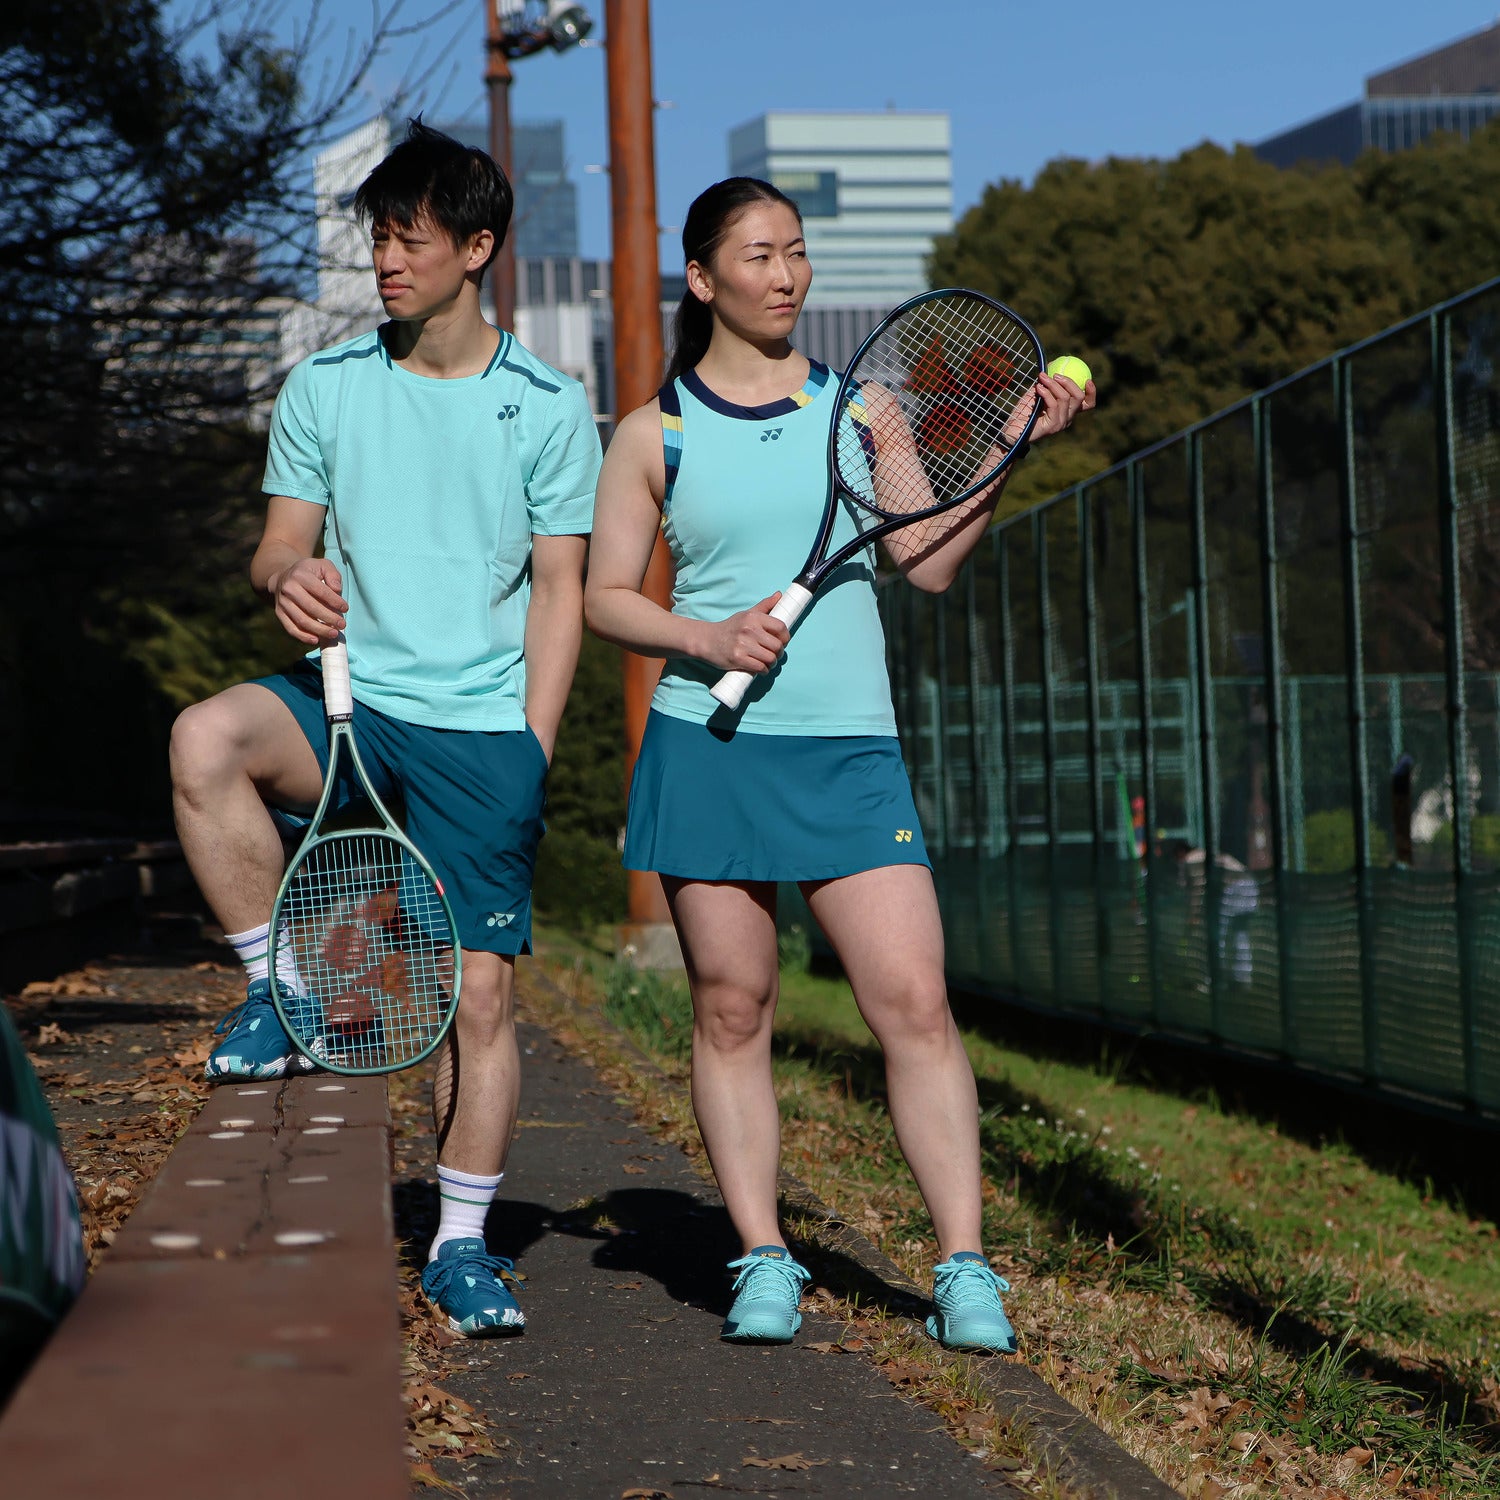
635, 283
497, 78
1283, 759
1458, 714
1136, 484
1359, 768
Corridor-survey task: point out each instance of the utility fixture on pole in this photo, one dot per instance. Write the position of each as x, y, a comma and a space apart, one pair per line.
517, 28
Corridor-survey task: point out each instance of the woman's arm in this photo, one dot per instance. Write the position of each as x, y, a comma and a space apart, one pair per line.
627, 519
932, 564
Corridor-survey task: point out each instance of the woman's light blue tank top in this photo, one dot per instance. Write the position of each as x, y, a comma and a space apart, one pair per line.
746, 486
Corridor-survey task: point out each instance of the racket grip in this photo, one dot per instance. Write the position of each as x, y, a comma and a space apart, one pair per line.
731, 688
338, 696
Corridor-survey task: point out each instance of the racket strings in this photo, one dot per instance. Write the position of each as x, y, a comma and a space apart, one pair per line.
942, 394
375, 949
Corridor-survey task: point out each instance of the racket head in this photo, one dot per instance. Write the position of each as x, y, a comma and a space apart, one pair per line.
374, 940
934, 403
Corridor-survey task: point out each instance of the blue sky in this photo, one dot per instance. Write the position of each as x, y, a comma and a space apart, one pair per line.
1024, 83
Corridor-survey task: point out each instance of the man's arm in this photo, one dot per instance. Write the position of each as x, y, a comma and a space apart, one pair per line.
554, 630
306, 590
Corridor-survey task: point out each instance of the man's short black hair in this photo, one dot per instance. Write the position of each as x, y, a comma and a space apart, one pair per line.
458, 188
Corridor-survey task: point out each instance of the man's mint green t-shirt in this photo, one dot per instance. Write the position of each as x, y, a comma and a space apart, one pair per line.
433, 491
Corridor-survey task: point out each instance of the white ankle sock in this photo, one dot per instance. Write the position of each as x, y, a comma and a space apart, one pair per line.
253, 948
464, 1201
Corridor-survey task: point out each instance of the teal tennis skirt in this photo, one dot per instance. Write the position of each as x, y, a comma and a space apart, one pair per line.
709, 806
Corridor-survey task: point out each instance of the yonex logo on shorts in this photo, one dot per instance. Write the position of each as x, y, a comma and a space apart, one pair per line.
500, 919
903, 835
771, 435
511, 409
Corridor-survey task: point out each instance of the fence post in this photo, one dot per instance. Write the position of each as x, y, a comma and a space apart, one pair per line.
1012, 822
1136, 491
1101, 857
1274, 668
1354, 665
1458, 717
1049, 745
1208, 769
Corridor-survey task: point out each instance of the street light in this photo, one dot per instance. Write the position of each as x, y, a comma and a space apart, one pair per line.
518, 28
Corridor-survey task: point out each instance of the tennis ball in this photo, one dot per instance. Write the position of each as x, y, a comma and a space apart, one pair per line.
1073, 367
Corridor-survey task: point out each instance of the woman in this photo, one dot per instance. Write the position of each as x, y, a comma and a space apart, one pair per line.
806, 781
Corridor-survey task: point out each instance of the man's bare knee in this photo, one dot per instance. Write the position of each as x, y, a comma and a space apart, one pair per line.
207, 746
245, 733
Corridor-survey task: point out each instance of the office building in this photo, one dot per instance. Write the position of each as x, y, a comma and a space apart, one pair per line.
875, 189
1454, 88
545, 223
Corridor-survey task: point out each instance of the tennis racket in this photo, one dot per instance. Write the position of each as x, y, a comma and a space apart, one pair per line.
367, 922
936, 402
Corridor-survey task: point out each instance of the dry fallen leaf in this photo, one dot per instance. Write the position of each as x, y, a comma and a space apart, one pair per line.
785, 1461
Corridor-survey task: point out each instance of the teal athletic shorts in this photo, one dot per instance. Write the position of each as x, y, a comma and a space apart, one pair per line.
474, 800
705, 805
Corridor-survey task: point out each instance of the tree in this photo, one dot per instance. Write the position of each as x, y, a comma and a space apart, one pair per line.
156, 226
1188, 284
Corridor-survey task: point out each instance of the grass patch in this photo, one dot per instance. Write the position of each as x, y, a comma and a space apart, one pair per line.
1237, 1307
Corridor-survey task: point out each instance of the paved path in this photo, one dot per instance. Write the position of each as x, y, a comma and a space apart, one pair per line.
620, 1383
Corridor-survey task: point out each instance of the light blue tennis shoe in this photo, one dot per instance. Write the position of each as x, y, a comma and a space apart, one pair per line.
257, 1045
767, 1291
970, 1315
465, 1282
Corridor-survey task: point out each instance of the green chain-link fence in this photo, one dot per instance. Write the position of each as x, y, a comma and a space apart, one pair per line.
1211, 743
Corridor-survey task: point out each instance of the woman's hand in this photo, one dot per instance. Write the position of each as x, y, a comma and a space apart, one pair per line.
1061, 402
751, 641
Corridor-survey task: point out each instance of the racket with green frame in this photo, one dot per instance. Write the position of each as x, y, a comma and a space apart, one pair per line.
366, 920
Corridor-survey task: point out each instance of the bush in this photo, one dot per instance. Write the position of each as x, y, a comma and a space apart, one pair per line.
1328, 842
579, 879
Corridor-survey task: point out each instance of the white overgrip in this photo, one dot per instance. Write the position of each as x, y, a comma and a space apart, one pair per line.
338, 696
731, 688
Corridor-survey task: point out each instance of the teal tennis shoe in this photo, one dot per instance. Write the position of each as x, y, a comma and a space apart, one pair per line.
465, 1282
969, 1312
767, 1291
257, 1045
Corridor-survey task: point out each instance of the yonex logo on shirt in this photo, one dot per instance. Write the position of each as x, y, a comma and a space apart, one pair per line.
903, 835
771, 435
508, 411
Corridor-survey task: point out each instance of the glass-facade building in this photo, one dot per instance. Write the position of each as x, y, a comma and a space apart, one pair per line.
545, 223
875, 188
1455, 89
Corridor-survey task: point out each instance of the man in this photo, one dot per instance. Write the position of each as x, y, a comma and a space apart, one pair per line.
449, 475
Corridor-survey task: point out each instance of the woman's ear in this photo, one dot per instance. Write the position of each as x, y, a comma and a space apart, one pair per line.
700, 283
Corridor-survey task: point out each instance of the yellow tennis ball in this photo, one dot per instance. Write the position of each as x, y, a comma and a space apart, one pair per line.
1073, 367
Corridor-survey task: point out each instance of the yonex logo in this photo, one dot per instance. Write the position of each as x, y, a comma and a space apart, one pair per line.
507, 412
771, 435
903, 835
500, 919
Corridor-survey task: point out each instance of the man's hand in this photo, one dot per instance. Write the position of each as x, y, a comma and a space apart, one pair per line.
309, 601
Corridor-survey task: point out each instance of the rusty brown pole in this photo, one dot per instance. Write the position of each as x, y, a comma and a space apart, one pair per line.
497, 78
636, 298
